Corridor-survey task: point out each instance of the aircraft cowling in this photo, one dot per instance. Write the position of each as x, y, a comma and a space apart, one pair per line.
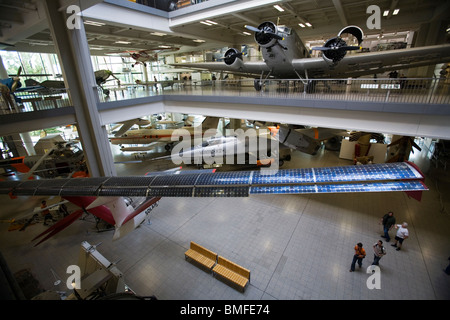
267, 34
335, 49
233, 58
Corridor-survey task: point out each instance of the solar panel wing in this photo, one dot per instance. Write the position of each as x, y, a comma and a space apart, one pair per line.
413, 185
27, 188
175, 179
224, 178
291, 189
133, 186
220, 191
170, 192
136, 181
82, 187
7, 186
286, 176
50, 187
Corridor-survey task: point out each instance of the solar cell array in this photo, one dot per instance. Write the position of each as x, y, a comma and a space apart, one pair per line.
365, 178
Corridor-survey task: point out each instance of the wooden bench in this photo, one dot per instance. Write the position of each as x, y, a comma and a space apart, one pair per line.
201, 255
232, 272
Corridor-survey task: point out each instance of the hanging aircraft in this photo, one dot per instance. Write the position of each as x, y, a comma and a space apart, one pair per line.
102, 76
286, 57
218, 150
44, 87
124, 126
404, 146
150, 136
144, 56
61, 160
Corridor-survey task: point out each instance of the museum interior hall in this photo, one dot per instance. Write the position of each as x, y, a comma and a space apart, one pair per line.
224, 150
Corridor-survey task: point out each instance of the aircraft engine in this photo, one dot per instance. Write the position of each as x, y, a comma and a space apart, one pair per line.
233, 57
266, 34
335, 49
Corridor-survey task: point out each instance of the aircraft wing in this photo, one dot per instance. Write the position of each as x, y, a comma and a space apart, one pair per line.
361, 64
385, 177
354, 65
250, 68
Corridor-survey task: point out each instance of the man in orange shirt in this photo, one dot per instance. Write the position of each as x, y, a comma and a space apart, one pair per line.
359, 255
46, 213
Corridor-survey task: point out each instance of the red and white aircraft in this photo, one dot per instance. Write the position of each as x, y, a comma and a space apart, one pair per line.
143, 56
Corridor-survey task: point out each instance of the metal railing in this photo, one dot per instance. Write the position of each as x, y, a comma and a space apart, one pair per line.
29, 101
398, 90
401, 90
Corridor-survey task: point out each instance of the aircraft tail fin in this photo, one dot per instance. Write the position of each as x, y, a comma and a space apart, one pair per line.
119, 209
210, 123
135, 218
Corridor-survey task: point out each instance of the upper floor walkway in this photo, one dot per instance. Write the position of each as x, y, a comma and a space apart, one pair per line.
416, 107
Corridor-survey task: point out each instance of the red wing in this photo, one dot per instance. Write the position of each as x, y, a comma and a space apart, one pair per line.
59, 226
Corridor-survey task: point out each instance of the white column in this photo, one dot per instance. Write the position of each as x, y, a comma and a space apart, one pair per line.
73, 52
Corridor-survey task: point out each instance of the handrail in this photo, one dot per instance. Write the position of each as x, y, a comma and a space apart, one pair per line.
384, 90
29, 101
424, 91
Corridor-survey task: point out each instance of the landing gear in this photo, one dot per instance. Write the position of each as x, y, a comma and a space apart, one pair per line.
311, 86
257, 84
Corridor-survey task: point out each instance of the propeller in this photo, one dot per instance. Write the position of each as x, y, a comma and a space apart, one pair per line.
335, 49
231, 55
15, 83
265, 33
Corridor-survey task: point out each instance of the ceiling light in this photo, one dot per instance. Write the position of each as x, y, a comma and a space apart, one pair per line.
395, 12
164, 47
308, 24
122, 42
212, 22
247, 33
204, 22
94, 23
198, 40
385, 13
302, 25
278, 8
159, 34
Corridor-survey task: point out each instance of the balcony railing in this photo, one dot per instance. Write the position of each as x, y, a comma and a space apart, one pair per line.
406, 91
399, 90
28, 101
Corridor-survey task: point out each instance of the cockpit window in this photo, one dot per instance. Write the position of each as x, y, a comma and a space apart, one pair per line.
285, 30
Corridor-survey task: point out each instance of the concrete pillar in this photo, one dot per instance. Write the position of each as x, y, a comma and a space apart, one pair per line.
3, 73
15, 145
73, 52
28, 143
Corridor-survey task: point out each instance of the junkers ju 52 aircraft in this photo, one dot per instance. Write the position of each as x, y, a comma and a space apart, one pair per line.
286, 57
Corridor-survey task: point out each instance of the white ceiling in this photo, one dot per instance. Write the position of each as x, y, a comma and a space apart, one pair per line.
23, 23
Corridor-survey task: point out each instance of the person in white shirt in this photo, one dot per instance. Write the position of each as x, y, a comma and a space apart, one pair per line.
378, 252
402, 234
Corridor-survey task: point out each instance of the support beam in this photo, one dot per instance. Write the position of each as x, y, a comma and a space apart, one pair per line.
340, 10
73, 53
